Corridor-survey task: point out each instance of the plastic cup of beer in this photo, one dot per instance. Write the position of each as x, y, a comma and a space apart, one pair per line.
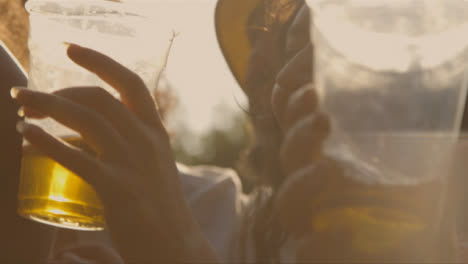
129, 33
391, 76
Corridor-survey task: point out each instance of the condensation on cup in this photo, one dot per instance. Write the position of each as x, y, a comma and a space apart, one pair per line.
133, 35
392, 77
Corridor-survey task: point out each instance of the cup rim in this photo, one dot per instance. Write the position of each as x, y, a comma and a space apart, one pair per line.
112, 9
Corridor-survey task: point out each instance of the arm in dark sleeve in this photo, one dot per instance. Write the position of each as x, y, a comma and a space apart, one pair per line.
21, 240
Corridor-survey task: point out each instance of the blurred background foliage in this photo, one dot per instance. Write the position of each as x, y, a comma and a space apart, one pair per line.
14, 29
222, 144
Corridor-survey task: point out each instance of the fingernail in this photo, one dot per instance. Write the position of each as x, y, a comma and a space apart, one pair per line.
21, 126
15, 90
68, 44
20, 112
70, 48
276, 87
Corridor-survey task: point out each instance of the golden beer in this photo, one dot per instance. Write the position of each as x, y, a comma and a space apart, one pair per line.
362, 222
52, 194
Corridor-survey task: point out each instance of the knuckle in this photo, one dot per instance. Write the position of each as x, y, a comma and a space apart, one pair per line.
102, 97
136, 90
290, 204
297, 71
295, 105
294, 143
300, 104
310, 125
135, 80
297, 96
276, 99
295, 158
303, 142
294, 181
92, 123
284, 75
301, 128
99, 92
305, 93
149, 143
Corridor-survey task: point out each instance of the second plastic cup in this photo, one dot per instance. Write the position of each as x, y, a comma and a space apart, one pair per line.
391, 76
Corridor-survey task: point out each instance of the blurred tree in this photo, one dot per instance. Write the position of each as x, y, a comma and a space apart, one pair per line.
14, 29
222, 145
165, 97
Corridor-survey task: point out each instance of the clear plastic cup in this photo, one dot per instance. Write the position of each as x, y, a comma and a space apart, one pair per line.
129, 33
391, 76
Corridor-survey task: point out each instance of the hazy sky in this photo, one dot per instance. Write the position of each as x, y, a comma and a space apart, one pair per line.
196, 67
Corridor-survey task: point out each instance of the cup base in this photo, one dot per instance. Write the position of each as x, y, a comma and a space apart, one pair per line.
62, 214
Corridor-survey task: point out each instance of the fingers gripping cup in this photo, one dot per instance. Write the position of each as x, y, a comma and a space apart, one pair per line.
131, 35
391, 75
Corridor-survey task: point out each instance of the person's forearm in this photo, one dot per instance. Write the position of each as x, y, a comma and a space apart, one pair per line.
171, 236
192, 247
